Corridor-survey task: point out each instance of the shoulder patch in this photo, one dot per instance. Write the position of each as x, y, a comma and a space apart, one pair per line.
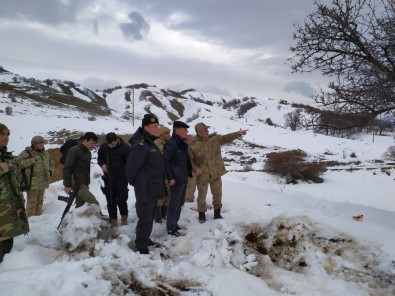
141, 142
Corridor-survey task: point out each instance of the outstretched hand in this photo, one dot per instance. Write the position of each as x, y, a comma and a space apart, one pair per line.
243, 132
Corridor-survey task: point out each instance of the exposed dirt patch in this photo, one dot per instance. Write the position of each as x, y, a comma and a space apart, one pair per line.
299, 245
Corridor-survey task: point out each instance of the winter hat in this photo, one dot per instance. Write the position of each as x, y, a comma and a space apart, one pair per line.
199, 127
4, 128
178, 124
149, 119
163, 130
37, 139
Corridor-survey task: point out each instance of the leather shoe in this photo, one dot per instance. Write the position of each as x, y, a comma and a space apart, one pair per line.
144, 251
174, 233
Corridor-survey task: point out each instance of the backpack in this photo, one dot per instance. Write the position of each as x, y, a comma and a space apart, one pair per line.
66, 147
25, 183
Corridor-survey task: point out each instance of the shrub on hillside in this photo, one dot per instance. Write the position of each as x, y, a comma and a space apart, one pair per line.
293, 166
8, 110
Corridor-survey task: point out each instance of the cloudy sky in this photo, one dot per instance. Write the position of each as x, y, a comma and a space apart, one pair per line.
229, 47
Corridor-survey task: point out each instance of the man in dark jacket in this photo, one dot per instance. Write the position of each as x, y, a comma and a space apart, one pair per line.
112, 157
178, 169
145, 172
78, 167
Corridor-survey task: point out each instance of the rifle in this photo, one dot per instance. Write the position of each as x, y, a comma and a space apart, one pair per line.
69, 199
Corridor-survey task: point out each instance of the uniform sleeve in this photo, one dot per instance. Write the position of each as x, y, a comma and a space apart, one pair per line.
168, 151
101, 159
229, 137
136, 159
24, 159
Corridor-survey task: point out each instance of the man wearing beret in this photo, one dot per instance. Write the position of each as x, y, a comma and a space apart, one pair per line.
146, 173
178, 169
209, 166
13, 219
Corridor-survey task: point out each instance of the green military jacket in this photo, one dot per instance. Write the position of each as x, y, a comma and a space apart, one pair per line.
206, 155
13, 219
77, 166
42, 169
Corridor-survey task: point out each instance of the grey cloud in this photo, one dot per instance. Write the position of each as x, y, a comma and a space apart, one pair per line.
300, 87
137, 28
44, 11
253, 23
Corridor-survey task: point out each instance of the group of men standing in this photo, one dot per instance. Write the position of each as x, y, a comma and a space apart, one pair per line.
157, 172
159, 165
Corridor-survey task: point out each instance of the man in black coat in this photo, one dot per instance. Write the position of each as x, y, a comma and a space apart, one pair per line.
112, 157
178, 169
146, 173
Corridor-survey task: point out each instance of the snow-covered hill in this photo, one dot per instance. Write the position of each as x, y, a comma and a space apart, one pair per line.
275, 238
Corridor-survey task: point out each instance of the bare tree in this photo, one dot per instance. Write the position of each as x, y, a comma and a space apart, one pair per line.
294, 119
353, 43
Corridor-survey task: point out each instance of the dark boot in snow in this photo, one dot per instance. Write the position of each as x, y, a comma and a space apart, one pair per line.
158, 215
217, 214
202, 217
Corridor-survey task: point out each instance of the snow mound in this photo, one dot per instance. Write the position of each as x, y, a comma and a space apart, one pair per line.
297, 244
83, 227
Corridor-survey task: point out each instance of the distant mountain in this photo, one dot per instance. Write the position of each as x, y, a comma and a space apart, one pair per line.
129, 102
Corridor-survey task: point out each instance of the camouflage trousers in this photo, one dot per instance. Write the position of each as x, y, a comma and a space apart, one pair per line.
83, 196
5, 247
191, 188
35, 201
216, 191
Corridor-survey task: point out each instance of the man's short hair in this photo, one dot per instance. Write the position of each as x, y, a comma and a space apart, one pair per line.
90, 136
111, 137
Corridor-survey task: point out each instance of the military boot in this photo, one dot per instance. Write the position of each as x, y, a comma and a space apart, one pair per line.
202, 217
217, 214
124, 220
114, 223
158, 215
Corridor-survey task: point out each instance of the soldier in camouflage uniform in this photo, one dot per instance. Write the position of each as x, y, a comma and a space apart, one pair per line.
13, 220
207, 162
38, 175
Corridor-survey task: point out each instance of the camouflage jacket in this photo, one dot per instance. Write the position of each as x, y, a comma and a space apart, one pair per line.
13, 220
42, 169
206, 155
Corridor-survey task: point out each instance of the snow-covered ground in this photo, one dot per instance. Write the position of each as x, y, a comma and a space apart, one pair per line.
275, 238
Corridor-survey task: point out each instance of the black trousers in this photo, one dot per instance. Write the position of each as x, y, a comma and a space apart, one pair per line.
145, 213
118, 197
